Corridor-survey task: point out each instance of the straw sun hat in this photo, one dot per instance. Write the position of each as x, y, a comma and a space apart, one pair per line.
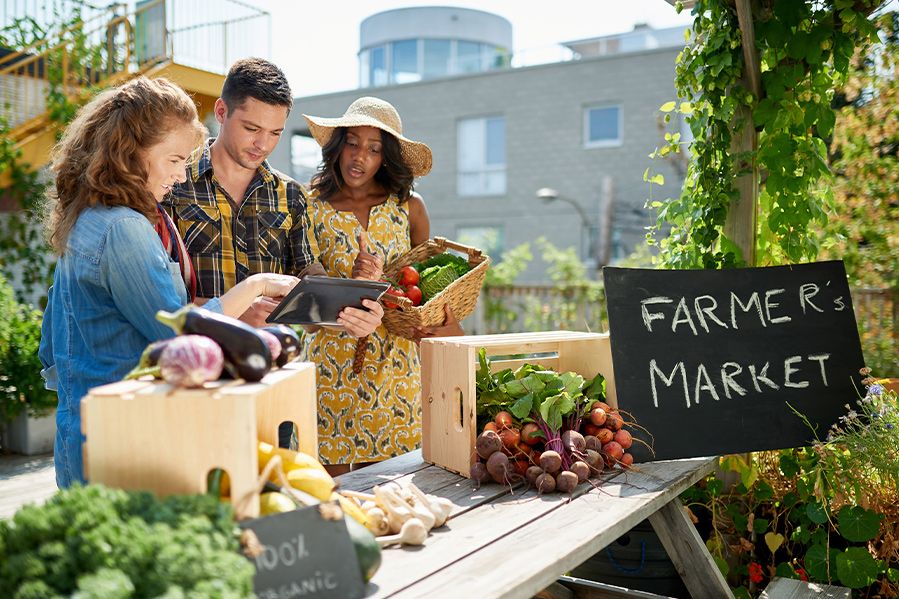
374, 112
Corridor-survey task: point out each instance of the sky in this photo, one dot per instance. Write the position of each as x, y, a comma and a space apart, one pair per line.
316, 42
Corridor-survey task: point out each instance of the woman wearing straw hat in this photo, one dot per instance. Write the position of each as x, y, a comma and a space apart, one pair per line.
362, 205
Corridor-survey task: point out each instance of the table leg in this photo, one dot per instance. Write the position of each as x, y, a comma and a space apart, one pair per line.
688, 553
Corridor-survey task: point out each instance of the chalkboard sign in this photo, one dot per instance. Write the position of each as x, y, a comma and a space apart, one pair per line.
715, 361
305, 553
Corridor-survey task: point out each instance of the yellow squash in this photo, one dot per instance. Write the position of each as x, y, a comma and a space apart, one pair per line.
317, 483
290, 460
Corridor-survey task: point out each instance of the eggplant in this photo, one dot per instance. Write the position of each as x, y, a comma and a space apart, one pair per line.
290, 342
149, 360
245, 350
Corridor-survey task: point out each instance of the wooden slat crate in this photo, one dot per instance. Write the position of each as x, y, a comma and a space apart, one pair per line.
448, 367
150, 436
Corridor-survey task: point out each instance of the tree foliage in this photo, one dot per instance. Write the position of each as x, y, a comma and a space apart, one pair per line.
863, 228
805, 49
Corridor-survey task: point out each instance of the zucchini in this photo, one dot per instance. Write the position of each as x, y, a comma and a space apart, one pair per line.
368, 552
290, 342
246, 351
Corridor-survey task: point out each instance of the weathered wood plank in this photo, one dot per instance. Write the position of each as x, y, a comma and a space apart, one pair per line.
787, 588
550, 534
377, 474
688, 553
496, 514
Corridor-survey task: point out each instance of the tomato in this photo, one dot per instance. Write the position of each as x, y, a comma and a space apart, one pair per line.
396, 292
409, 276
414, 294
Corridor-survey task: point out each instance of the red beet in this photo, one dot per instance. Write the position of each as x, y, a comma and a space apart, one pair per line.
624, 439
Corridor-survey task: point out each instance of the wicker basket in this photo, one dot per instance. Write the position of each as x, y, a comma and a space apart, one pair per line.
461, 294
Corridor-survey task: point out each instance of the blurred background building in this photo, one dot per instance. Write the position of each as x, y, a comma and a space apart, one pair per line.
555, 149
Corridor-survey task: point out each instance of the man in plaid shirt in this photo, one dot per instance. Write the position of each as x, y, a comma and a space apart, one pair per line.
237, 215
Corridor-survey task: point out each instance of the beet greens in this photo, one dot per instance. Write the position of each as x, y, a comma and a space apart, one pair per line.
554, 402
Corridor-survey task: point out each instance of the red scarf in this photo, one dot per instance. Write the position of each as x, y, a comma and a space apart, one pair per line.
174, 247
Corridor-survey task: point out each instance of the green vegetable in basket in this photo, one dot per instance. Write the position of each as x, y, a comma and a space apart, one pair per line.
435, 279
459, 263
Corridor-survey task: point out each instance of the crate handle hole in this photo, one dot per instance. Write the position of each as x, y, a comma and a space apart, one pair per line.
219, 478
288, 435
458, 410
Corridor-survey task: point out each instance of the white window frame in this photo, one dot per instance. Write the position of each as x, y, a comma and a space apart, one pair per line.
603, 143
485, 169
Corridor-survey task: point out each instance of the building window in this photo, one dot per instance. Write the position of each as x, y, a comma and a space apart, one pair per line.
468, 57
374, 67
305, 156
602, 126
482, 157
488, 239
437, 58
404, 62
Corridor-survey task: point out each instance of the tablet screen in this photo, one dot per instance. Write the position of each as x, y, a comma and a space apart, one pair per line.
318, 300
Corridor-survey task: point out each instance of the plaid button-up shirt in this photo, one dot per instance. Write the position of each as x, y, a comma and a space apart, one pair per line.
266, 232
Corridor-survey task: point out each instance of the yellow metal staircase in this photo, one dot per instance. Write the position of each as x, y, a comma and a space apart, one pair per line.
93, 54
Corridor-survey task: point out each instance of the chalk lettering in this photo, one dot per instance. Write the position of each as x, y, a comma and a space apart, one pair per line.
728, 371
761, 376
753, 302
806, 292
839, 304
267, 560
648, 316
286, 554
769, 304
788, 372
703, 383
682, 308
821, 358
654, 370
703, 312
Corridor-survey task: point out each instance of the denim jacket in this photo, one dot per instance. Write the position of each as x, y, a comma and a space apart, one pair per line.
108, 286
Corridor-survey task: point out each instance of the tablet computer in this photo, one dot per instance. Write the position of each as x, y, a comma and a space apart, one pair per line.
318, 299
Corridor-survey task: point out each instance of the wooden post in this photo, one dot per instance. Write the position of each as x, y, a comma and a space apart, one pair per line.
740, 226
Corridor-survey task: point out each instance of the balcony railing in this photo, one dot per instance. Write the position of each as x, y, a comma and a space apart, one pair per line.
81, 46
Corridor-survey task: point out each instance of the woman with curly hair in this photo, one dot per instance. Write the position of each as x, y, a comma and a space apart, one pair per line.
364, 214
120, 258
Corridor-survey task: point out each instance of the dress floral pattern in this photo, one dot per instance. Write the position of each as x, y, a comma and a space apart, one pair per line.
376, 414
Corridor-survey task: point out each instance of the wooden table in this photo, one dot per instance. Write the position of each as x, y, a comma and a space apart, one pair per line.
502, 544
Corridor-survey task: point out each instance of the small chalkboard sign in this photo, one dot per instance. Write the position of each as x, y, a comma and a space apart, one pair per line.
716, 361
305, 553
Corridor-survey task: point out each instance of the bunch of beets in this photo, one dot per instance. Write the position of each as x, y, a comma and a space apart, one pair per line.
507, 451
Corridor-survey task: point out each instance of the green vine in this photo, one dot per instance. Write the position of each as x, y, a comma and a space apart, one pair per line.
804, 49
22, 244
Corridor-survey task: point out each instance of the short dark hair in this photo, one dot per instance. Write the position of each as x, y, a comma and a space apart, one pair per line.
259, 79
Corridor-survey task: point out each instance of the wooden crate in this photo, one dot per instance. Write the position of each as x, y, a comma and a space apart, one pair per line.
448, 367
150, 436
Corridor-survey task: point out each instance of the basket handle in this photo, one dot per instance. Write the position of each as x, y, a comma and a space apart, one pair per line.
403, 302
459, 247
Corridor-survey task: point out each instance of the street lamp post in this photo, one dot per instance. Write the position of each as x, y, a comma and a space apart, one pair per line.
548, 194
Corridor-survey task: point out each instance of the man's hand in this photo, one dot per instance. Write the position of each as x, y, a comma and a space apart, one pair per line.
449, 328
313, 269
259, 310
360, 323
367, 266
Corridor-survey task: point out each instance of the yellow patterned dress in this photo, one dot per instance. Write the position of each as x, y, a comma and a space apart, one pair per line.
376, 414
